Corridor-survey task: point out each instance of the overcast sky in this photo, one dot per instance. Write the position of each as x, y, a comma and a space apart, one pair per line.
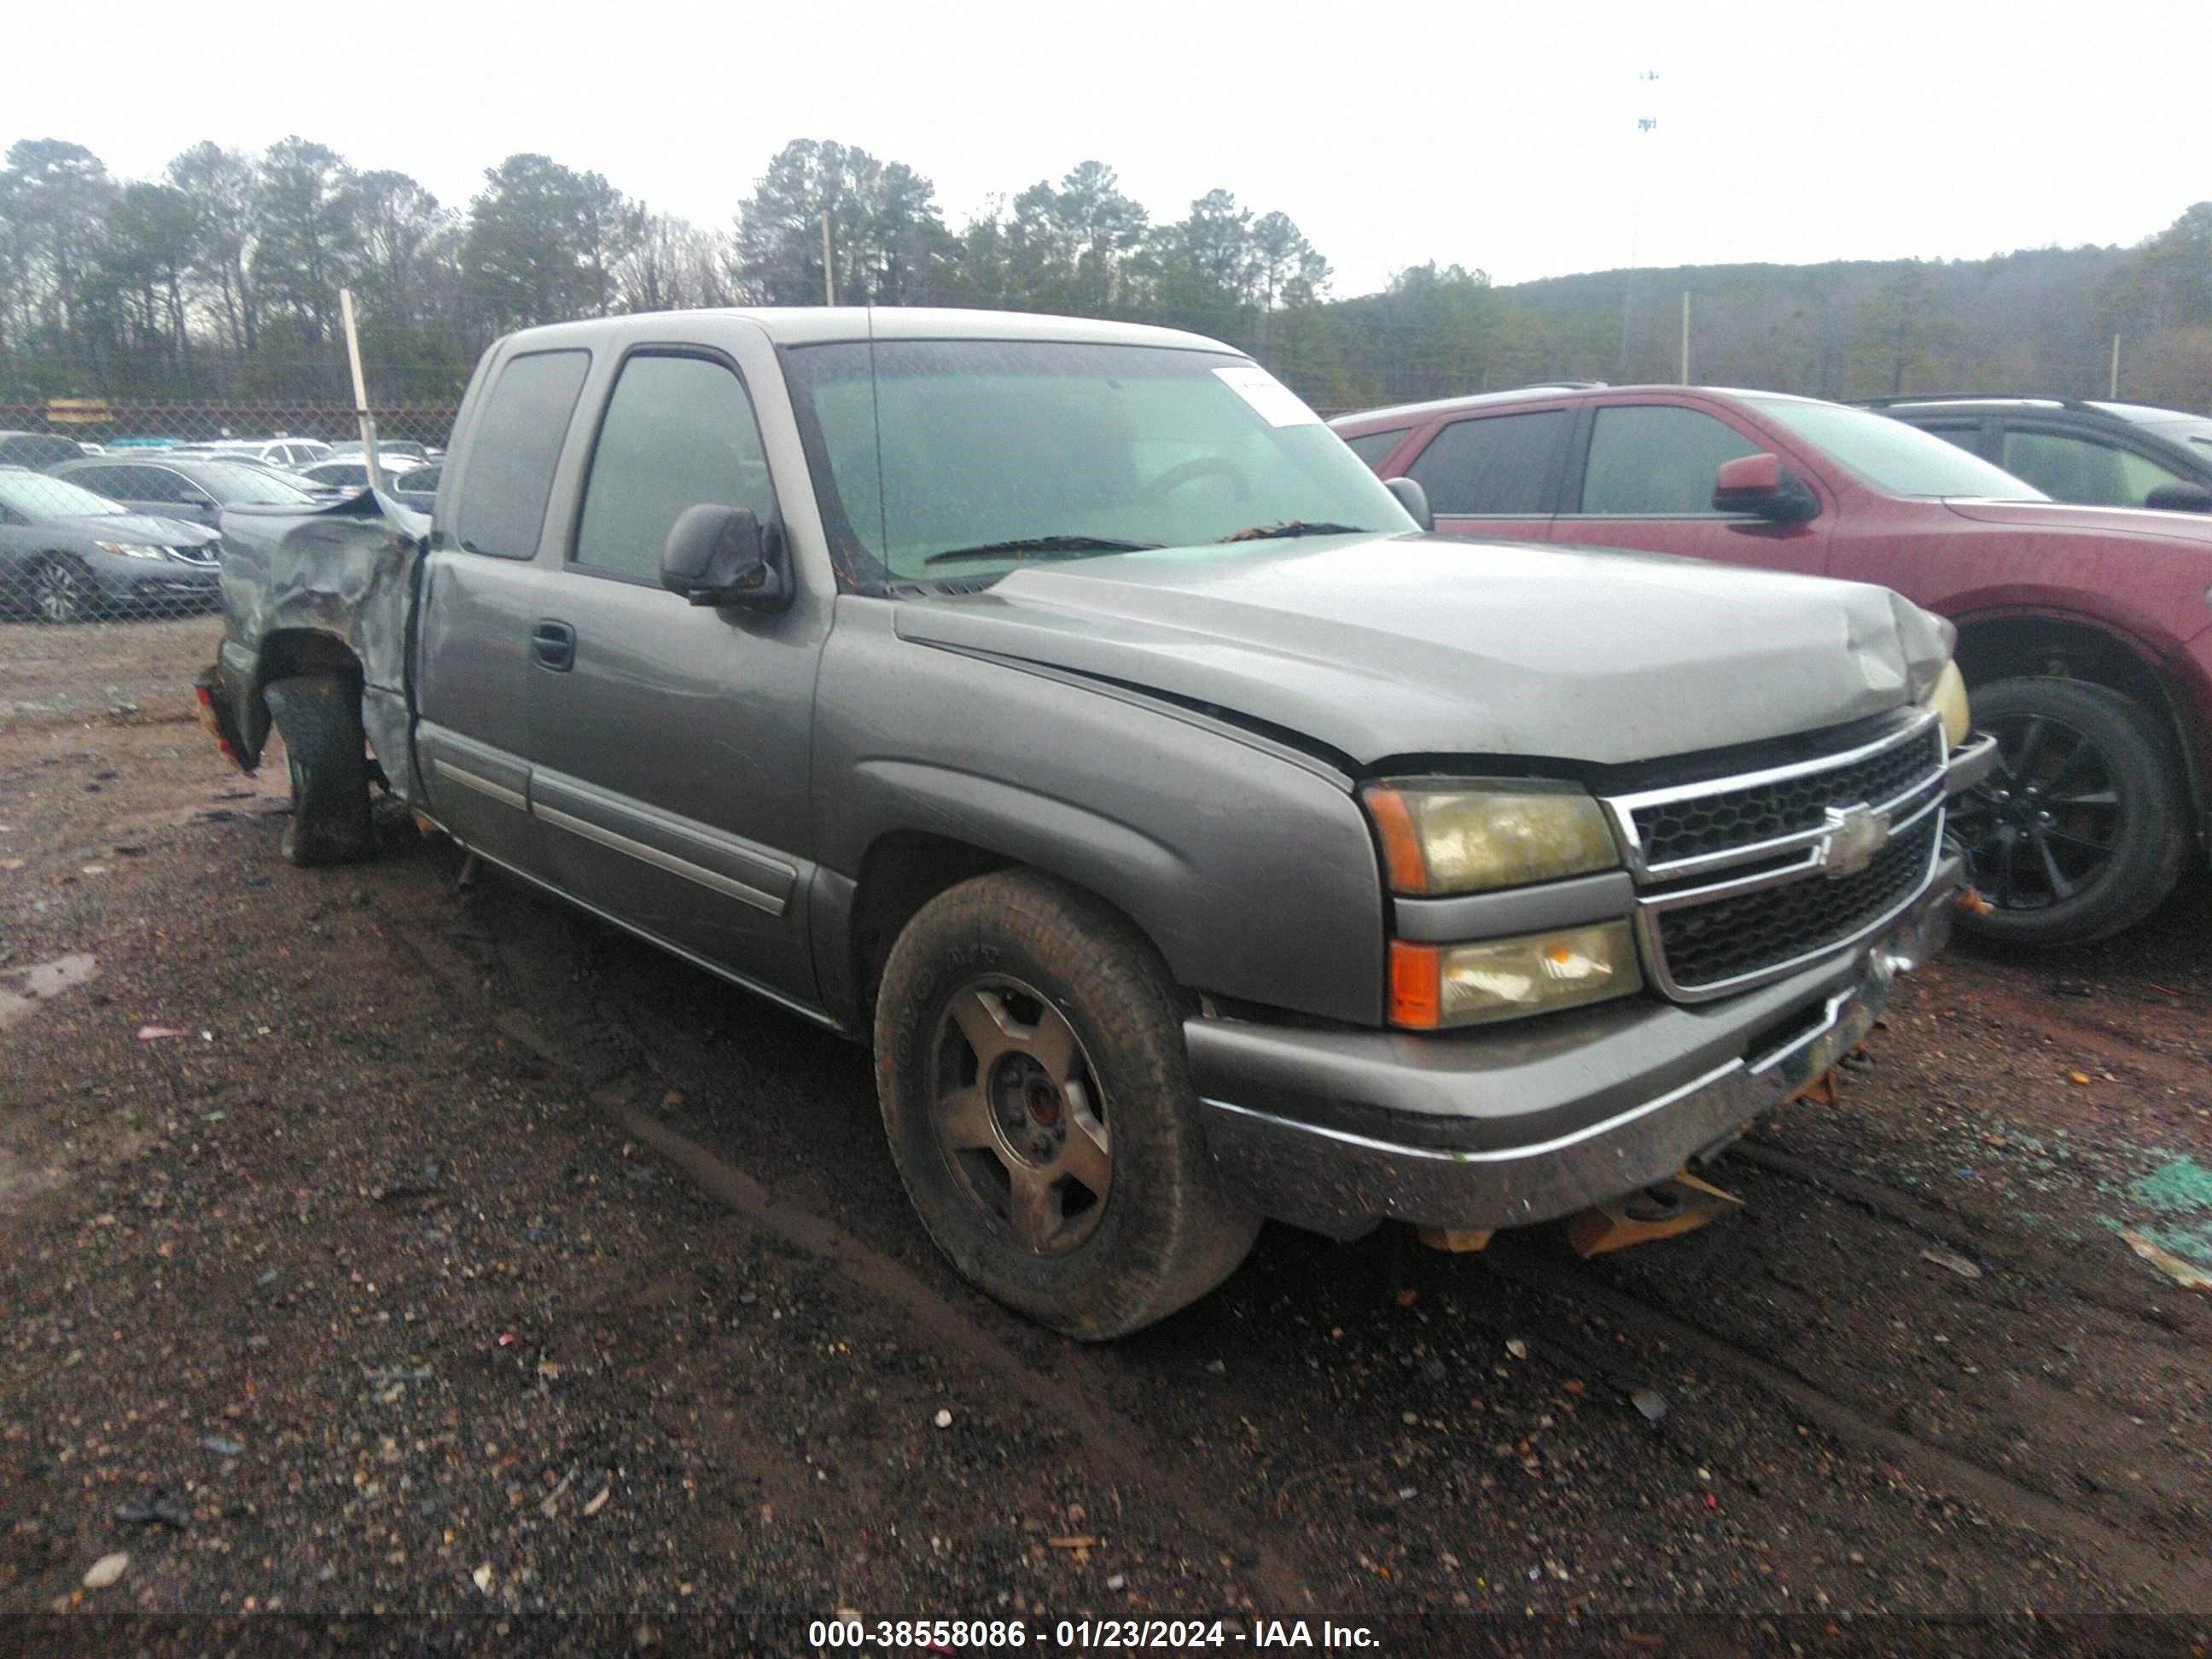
1501, 137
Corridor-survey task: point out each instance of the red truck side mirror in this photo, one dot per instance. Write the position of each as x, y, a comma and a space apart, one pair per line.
1762, 487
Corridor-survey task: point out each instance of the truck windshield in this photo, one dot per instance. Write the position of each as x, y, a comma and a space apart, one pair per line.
1014, 450
1893, 457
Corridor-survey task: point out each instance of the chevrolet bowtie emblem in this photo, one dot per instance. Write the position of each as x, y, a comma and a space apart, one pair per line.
1855, 835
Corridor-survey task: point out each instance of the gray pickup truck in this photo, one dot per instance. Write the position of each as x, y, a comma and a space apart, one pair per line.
1062, 708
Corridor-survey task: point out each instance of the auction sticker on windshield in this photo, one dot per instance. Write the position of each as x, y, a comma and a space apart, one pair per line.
1278, 404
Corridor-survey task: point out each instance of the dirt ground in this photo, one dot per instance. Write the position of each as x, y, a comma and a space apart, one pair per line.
373, 1242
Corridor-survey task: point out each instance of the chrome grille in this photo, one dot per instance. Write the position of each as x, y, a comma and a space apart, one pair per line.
1670, 831
1708, 946
1742, 879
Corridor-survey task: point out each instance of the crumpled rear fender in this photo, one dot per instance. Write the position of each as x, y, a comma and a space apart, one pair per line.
321, 591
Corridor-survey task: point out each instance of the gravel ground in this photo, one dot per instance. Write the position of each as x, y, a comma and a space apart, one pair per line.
379, 1242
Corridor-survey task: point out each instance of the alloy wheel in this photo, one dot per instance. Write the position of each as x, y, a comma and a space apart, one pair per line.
2046, 824
60, 592
1019, 1115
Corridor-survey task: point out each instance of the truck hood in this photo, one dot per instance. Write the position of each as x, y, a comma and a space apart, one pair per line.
1383, 646
2193, 528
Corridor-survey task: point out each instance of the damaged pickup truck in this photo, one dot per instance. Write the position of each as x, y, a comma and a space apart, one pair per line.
1062, 709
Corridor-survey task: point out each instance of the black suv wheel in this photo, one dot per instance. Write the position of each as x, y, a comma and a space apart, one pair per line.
2080, 832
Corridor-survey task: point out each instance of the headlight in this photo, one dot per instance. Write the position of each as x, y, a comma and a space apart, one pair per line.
1434, 985
1464, 836
1947, 697
131, 550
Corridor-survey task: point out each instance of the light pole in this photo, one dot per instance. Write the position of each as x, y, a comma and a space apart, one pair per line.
1645, 125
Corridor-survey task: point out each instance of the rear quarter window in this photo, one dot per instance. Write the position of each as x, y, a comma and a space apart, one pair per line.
508, 473
1372, 447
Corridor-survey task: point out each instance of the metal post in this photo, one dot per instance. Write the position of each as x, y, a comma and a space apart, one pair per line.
360, 391
2112, 389
1686, 337
829, 270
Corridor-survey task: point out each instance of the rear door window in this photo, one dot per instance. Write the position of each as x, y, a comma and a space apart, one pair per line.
1967, 434
679, 432
1498, 466
2069, 467
1655, 460
158, 483
508, 475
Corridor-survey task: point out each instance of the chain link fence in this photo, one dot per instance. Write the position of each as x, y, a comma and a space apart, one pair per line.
110, 557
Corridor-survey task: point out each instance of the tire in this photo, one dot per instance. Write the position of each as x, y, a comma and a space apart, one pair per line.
1071, 1180
65, 592
2081, 829
320, 716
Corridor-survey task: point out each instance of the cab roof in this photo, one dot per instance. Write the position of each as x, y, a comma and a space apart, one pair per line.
818, 325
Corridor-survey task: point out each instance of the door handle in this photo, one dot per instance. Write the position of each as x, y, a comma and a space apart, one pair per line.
554, 645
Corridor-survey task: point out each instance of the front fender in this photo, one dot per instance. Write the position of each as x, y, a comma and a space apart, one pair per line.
1253, 872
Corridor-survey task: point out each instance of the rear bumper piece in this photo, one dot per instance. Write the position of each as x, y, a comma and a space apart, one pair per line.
1339, 1131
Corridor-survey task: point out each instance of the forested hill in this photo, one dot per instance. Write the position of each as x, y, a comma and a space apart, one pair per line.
217, 282
2037, 320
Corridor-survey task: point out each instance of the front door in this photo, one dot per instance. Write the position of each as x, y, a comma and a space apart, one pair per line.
1646, 481
669, 742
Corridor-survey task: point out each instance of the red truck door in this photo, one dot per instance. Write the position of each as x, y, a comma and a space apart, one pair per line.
1640, 475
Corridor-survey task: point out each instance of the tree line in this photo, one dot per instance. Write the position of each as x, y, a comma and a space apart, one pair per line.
218, 283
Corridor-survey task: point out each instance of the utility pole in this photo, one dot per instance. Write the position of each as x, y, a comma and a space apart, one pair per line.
1686, 337
1645, 125
2112, 387
829, 270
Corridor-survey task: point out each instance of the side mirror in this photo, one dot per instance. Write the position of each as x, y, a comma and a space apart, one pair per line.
721, 556
1762, 487
1414, 499
2180, 498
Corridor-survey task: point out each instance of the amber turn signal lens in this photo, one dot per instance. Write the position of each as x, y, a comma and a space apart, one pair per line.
1414, 986
1401, 842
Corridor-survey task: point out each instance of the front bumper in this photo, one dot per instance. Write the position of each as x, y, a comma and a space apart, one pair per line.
126, 581
1339, 1131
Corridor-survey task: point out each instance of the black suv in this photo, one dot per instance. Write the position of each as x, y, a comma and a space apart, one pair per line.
2096, 453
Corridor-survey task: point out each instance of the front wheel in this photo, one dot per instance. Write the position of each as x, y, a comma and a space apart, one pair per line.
2079, 831
320, 717
1030, 1060
65, 593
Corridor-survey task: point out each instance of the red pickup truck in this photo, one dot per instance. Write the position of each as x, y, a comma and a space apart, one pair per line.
2085, 634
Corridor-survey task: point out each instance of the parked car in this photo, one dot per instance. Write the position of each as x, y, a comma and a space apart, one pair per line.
2091, 452
179, 486
67, 555
394, 452
37, 450
289, 454
418, 486
2084, 633
338, 473
1057, 706
285, 476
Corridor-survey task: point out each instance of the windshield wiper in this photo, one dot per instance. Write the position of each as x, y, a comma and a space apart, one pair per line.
1276, 532
1050, 546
